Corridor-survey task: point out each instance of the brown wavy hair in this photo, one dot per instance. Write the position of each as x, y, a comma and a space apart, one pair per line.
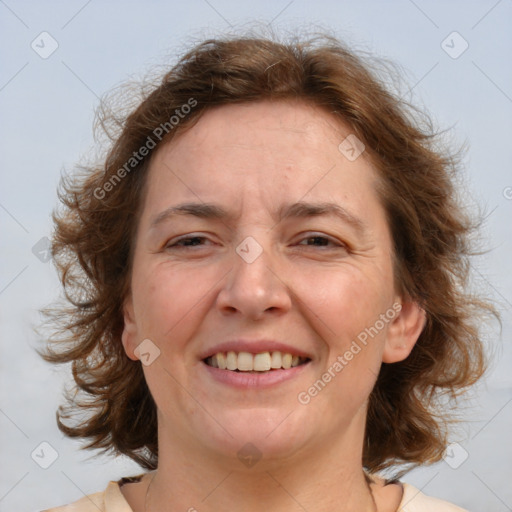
94, 239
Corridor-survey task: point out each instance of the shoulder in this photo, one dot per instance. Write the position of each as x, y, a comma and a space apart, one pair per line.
109, 500
90, 503
414, 500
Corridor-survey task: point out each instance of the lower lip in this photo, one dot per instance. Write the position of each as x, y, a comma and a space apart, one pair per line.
249, 380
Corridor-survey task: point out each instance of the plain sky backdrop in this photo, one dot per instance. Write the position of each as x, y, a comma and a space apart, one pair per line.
456, 60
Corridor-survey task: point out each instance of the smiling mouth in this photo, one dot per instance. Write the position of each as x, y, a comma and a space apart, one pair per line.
254, 363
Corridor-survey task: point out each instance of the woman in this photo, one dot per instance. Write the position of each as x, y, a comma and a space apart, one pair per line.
266, 280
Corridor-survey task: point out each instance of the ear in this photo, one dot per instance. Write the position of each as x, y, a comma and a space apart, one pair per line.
403, 331
129, 336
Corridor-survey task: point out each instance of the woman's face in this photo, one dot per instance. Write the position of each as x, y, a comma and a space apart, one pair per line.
277, 245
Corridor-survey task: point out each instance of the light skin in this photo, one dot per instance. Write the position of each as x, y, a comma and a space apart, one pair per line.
318, 283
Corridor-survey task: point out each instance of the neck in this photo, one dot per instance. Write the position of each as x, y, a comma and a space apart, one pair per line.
327, 476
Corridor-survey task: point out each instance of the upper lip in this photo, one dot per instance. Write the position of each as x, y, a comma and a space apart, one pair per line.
254, 347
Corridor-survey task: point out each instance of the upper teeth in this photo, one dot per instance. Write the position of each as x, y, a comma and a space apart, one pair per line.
246, 362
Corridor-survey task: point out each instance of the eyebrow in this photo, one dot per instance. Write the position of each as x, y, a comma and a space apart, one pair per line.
304, 209
299, 209
201, 210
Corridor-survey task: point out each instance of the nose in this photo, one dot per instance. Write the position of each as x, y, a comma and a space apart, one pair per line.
254, 288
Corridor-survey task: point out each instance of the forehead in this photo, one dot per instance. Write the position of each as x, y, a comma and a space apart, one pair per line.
261, 152
279, 126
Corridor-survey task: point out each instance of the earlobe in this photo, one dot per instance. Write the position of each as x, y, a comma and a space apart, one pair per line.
129, 334
403, 332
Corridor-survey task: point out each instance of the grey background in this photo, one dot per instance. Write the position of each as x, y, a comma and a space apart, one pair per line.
47, 112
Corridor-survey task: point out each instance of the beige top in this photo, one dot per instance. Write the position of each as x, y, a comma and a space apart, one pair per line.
113, 500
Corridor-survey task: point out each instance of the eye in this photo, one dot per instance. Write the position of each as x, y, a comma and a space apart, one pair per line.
316, 240
321, 241
187, 241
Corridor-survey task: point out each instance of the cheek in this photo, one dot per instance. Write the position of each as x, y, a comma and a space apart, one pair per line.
344, 308
170, 299
344, 301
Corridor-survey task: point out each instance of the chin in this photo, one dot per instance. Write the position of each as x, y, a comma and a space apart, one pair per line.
258, 433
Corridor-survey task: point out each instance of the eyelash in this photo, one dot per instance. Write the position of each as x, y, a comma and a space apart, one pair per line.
184, 239
175, 245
